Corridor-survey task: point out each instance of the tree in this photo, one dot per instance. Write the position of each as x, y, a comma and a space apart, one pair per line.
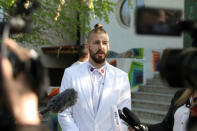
60, 19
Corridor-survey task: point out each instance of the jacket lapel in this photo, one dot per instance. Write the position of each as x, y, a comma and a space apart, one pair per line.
86, 89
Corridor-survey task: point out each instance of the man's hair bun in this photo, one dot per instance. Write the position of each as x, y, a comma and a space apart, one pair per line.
98, 26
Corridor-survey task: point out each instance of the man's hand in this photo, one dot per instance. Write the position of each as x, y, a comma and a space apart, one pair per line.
131, 129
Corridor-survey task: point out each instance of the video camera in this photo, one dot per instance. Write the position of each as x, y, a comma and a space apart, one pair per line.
19, 21
177, 66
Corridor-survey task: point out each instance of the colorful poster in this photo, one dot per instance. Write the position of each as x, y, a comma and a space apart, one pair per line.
113, 62
137, 53
135, 74
155, 61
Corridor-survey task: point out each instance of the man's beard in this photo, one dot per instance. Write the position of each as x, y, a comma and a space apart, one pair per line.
99, 59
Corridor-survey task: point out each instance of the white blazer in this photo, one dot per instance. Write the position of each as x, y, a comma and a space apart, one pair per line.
80, 117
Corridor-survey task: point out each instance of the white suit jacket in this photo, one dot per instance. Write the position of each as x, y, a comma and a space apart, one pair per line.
80, 117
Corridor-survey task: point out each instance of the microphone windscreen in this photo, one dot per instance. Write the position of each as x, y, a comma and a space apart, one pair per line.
61, 101
44, 111
131, 117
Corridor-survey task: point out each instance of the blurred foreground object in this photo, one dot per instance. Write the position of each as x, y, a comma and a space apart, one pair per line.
178, 67
21, 97
160, 21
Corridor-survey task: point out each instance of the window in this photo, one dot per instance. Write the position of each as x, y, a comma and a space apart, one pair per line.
124, 11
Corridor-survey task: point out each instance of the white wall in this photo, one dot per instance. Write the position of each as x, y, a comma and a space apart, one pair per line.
179, 4
122, 38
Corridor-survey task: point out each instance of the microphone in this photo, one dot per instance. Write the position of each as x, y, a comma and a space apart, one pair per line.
61, 101
131, 117
122, 116
132, 120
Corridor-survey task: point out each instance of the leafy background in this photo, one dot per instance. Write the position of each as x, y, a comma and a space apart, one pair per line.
57, 21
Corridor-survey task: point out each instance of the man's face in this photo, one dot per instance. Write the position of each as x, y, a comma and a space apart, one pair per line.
98, 47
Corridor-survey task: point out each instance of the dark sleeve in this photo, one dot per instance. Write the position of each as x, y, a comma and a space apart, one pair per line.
168, 121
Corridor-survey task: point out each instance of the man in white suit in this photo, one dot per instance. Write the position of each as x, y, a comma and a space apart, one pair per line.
100, 87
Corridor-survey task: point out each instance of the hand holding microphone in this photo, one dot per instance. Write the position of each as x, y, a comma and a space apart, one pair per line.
132, 120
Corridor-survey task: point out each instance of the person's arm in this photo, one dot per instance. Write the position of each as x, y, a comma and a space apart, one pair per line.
167, 123
22, 100
65, 118
125, 98
125, 95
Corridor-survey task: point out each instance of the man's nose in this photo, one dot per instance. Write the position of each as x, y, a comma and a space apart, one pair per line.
100, 45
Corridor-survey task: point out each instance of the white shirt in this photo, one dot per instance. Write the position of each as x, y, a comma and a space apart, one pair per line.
97, 83
181, 117
77, 63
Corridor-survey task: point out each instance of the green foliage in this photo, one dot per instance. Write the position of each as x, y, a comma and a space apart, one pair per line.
6, 4
67, 23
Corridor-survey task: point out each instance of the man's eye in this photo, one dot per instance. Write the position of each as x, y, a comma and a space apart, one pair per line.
97, 42
105, 42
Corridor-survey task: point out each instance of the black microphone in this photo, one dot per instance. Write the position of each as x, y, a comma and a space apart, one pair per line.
61, 101
132, 120
122, 116
131, 117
